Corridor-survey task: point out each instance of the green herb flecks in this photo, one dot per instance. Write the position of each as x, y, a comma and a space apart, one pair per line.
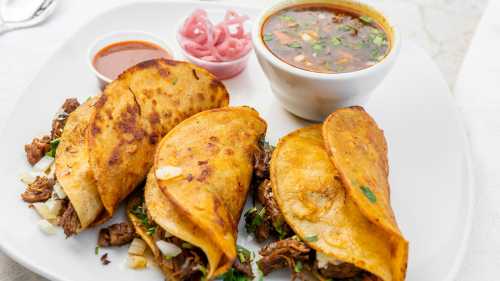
369, 194
336, 41
298, 266
203, 270
378, 40
312, 238
187, 245
253, 218
317, 47
244, 255
286, 18
53, 147
96, 251
140, 212
268, 37
234, 275
295, 45
260, 275
278, 226
346, 28
366, 19
174, 81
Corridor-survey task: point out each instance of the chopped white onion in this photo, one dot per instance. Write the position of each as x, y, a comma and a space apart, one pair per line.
306, 37
46, 227
137, 247
43, 211
30, 177
59, 191
54, 206
299, 58
136, 262
168, 249
43, 164
168, 172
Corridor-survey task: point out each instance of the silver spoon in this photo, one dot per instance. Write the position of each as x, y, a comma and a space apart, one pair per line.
39, 15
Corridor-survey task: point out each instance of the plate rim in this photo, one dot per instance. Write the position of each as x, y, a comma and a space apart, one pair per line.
470, 184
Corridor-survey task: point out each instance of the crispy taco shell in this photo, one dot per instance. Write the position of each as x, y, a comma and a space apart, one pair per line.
203, 205
112, 141
315, 203
72, 166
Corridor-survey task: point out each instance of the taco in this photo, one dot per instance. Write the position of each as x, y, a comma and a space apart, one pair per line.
322, 229
107, 144
195, 194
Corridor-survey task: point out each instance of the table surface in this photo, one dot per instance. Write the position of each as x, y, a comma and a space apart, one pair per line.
430, 23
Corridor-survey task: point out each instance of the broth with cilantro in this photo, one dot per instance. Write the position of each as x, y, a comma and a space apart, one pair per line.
324, 38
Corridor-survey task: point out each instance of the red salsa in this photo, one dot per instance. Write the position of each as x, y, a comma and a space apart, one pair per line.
112, 60
325, 38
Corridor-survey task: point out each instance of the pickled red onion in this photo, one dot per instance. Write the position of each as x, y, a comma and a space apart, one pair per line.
225, 41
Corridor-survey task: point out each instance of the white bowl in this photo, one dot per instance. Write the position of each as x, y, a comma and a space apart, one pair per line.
313, 95
116, 37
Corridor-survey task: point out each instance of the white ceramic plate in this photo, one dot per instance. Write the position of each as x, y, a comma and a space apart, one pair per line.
432, 187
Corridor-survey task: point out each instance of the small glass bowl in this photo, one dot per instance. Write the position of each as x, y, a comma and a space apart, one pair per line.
222, 70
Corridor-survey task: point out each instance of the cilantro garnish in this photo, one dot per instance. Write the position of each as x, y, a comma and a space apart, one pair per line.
298, 266
366, 19
244, 255
140, 212
336, 41
254, 217
295, 45
287, 18
234, 275
268, 37
278, 226
53, 147
369, 194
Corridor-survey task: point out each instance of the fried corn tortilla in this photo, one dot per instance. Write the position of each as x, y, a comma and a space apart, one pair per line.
112, 141
316, 203
203, 204
358, 149
72, 165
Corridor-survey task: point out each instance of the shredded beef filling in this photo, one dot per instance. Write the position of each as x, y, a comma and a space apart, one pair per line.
266, 221
41, 189
116, 235
343, 270
59, 121
37, 149
38, 191
69, 219
283, 254
188, 265
40, 146
244, 267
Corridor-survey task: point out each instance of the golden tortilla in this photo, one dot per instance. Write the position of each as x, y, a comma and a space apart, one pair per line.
72, 166
108, 144
316, 204
204, 204
135, 112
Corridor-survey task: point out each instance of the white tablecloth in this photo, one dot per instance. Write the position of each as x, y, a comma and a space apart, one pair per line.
23, 53
477, 92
